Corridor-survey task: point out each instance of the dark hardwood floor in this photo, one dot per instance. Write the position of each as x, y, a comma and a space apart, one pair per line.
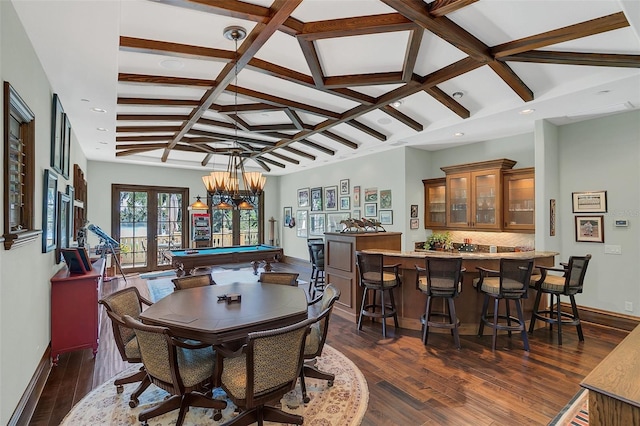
409, 383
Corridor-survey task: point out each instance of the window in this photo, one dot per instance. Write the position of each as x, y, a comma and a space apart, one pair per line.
237, 227
19, 137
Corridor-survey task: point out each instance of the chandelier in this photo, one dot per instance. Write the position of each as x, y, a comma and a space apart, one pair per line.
226, 184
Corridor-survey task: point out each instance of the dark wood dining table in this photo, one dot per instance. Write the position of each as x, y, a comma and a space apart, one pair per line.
197, 313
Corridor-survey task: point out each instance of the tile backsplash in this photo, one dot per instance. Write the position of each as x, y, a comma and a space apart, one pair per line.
505, 239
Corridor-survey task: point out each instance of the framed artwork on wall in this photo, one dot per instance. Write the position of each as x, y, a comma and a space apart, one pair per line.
333, 221
356, 196
370, 210
590, 229
345, 203
590, 202
316, 224
316, 199
49, 211
301, 223
370, 195
356, 214
386, 217
63, 230
344, 187
331, 198
303, 197
414, 223
287, 216
58, 130
414, 210
385, 199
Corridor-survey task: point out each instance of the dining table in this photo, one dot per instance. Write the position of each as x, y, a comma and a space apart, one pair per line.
206, 313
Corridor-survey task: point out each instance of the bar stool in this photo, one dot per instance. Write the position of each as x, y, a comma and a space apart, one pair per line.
569, 284
376, 277
510, 283
316, 256
440, 278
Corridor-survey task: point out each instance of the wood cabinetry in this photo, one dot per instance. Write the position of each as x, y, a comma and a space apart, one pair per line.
519, 199
74, 310
340, 264
435, 215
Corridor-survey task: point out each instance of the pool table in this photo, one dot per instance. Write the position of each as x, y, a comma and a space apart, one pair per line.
185, 260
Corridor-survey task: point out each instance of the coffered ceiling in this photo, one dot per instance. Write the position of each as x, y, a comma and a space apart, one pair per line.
319, 81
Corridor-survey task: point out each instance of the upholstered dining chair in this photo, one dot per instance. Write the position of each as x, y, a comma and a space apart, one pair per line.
127, 302
511, 283
183, 368
191, 281
440, 278
569, 284
264, 369
375, 276
317, 336
284, 278
316, 253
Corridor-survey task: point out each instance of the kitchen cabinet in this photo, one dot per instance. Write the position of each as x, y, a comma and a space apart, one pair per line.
473, 194
435, 203
519, 200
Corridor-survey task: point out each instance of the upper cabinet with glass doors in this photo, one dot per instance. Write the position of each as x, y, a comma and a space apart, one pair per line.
519, 200
434, 203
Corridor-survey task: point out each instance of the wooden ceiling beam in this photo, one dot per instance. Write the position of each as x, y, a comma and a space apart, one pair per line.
146, 146
230, 109
154, 138
368, 130
561, 35
372, 79
230, 138
217, 123
318, 147
146, 129
161, 80
151, 117
285, 158
127, 152
298, 152
355, 26
443, 7
157, 102
274, 162
313, 61
446, 100
511, 78
404, 119
411, 55
573, 58
344, 141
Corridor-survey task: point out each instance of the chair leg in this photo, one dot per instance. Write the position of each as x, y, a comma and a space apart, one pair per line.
393, 306
425, 327
576, 317
362, 305
144, 384
303, 387
273, 414
454, 320
506, 302
523, 330
496, 305
536, 307
384, 312
483, 315
559, 310
164, 407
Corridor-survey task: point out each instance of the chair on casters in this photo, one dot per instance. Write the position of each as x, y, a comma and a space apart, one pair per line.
569, 284
316, 252
284, 278
183, 368
118, 304
441, 277
510, 283
191, 281
376, 277
315, 340
264, 369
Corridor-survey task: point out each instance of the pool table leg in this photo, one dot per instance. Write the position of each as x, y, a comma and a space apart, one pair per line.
179, 269
255, 264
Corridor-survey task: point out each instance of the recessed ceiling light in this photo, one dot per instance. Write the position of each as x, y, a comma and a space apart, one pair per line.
457, 95
396, 104
98, 110
527, 111
384, 121
171, 64
603, 92
102, 143
102, 129
84, 100
458, 134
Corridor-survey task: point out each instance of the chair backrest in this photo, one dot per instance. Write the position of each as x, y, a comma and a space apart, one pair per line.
191, 281
444, 276
576, 271
371, 269
274, 359
318, 334
311, 242
124, 302
317, 254
515, 275
284, 278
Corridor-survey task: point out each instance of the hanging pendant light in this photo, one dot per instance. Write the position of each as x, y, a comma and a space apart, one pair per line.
227, 184
198, 205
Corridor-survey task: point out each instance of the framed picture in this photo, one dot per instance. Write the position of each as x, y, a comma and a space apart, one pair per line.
49, 211
58, 130
385, 199
356, 214
303, 197
331, 198
370, 195
552, 217
64, 216
414, 210
316, 224
72, 234
345, 203
74, 261
590, 202
333, 221
286, 221
370, 210
66, 147
590, 229
414, 223
344, 187
301, 223
356, 196
316, 199
386, 217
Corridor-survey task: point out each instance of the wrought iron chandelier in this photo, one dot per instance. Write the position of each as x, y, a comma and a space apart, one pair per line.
226, 184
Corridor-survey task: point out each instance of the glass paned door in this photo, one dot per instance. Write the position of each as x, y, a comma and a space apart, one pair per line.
233, 227
485, 191
170, 224
132, 232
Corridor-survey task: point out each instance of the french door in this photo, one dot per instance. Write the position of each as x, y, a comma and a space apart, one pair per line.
148, 221
237, 227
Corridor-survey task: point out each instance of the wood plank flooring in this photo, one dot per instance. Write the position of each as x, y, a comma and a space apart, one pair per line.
409, 383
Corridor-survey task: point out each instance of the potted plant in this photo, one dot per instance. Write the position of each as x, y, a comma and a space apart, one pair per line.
439, 241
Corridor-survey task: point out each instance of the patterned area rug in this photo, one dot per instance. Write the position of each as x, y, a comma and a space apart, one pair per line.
343, 404
575, 413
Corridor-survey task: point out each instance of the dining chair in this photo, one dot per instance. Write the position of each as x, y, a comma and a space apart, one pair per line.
183, 368
570, 283
191, 281
510, 283
263, 370
127, 302
284, 278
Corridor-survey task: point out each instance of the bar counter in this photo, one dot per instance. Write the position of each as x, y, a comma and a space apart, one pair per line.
410, 301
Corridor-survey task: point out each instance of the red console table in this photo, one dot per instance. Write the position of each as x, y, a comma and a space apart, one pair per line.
74, 310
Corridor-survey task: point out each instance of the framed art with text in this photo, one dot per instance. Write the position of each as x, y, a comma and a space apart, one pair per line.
590, 202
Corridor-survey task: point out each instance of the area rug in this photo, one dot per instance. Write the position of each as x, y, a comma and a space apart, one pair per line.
575, 413
343, 404
158, 274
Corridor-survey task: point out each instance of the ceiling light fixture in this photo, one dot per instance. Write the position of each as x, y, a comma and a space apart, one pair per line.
396, 104
98, 110
102, 129
527, 111
198, 205
458, 134
457, 95
226, 185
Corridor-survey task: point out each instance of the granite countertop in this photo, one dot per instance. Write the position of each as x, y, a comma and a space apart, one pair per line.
464, 255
